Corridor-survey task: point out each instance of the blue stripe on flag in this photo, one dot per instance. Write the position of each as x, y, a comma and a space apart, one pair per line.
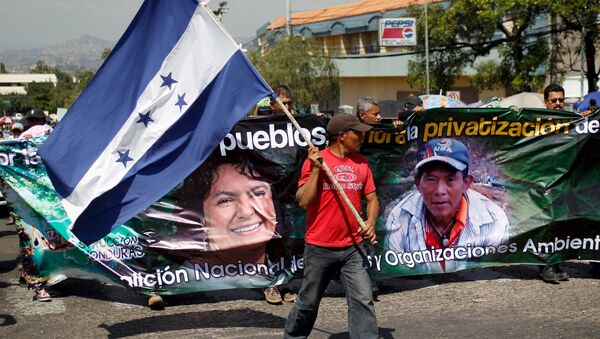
102, 108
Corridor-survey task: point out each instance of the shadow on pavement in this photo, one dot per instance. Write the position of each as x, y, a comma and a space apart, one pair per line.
7, 319
245, 317
7, 266
384, 333
518, 272
7, 233
96, 290
92, 289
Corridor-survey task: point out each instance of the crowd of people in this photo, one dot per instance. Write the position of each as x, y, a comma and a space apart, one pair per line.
34, 124
443, 211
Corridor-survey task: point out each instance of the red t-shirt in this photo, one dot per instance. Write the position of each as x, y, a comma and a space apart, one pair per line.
329, 222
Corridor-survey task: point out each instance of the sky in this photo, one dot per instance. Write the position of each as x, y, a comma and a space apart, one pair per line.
40, 23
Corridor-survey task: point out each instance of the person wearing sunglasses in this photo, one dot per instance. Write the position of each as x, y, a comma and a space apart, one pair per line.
554, 97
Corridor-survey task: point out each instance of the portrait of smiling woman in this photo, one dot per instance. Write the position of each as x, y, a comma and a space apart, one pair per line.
238, 209
226, 210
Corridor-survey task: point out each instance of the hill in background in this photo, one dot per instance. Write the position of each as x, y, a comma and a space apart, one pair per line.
79, 54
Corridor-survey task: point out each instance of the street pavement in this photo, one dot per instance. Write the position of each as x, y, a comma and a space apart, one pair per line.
502, 302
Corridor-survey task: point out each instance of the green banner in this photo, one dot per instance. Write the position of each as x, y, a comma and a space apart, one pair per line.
234, 223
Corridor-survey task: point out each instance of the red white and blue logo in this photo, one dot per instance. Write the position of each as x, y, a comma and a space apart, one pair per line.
398, 31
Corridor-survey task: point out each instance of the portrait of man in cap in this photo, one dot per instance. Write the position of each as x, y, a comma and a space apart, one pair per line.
444, 212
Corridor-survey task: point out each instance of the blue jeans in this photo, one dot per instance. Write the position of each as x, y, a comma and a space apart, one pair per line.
320, 266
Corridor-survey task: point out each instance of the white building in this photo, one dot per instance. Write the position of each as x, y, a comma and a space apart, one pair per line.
17, 83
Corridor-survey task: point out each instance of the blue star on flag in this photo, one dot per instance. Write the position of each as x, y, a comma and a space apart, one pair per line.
168, 80
145, 119
124, 157
180, 101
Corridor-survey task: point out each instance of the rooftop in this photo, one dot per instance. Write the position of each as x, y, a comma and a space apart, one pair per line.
346, 10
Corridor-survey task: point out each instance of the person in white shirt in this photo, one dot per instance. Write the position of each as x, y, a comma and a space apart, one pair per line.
36, 124
443, 212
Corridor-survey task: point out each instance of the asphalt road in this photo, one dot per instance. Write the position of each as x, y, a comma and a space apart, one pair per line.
502, 302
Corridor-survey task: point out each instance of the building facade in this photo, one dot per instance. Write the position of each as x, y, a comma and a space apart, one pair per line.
350, 35
17, 83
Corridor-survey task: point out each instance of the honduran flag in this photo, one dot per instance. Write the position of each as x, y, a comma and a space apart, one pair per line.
171, 89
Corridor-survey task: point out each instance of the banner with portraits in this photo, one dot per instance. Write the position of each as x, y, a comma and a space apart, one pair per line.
528, 195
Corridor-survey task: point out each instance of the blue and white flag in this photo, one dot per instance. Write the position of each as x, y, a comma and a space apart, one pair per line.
171, 89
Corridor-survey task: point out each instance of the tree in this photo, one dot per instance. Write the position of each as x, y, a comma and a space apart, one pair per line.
40, 95
488, 76
503, 25
42, 68
581, 16
105, 53
47, 96
2, 68
302, 66
462, 31
445, 63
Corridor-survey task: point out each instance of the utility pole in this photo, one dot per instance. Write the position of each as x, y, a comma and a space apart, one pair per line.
426, 51
288, 19
582, 59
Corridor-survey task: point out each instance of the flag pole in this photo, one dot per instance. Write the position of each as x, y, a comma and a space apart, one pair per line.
330, 175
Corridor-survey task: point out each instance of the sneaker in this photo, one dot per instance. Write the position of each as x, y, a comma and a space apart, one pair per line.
42, 295
272, 295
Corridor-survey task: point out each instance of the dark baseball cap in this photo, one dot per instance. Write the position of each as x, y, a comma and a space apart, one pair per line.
446, 150
342, 122
412, 101
35, 113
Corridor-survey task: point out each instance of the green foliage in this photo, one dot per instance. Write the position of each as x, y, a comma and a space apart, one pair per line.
487, 76
521, 56
41, 68
445, 63
40, 94
2, 68
302, 66
462, 31
105, 53
581, 17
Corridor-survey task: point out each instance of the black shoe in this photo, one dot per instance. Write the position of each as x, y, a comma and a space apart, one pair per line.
560, 274
549, 275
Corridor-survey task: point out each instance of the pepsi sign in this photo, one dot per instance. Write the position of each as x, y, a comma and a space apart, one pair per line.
397, 32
